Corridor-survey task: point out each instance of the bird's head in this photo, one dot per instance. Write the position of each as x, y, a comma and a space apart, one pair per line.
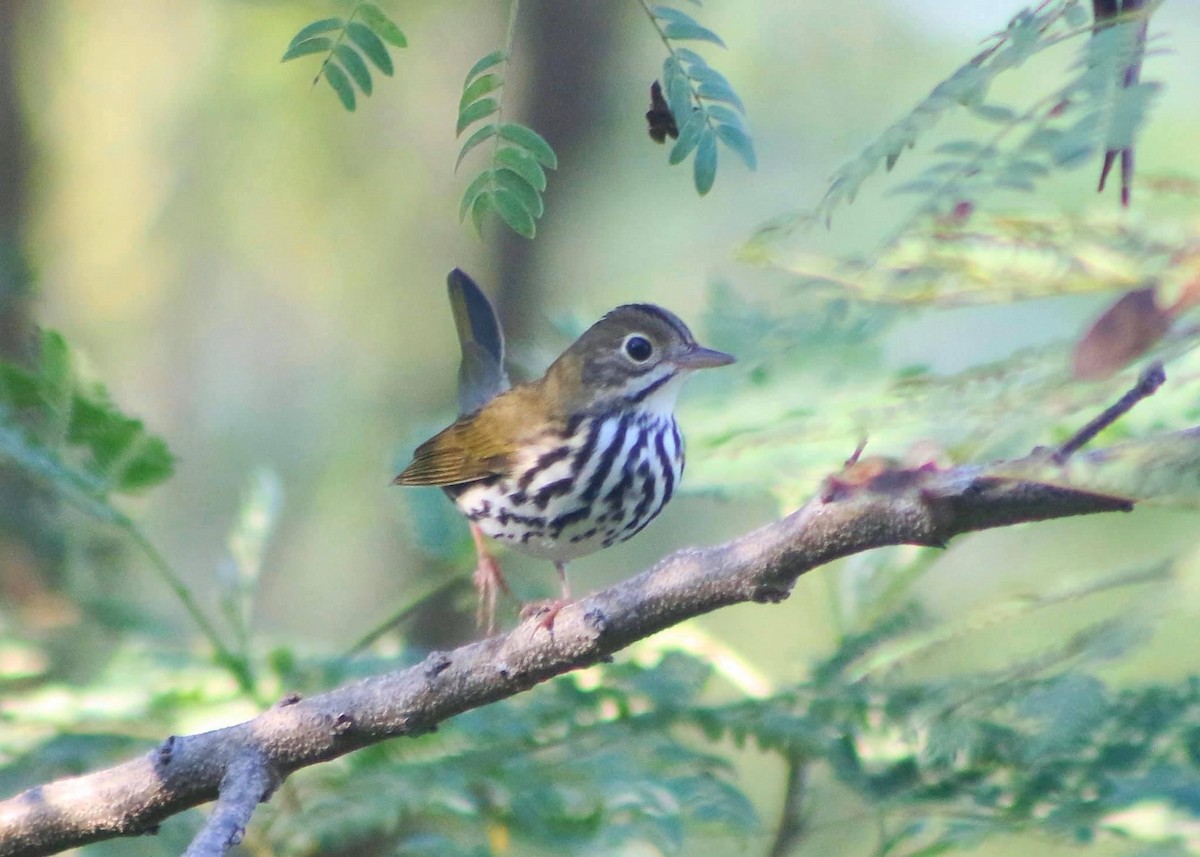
636, 356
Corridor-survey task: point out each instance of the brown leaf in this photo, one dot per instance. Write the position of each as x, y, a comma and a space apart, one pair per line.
1122, 332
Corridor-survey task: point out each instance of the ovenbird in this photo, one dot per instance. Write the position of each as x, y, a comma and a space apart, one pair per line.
583, 457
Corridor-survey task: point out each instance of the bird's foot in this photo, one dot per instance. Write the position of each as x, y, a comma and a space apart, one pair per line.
545, 611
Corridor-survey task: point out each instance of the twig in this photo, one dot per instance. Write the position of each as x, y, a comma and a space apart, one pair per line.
1149, 382
792, 823
223, 655
247, 783
372, 637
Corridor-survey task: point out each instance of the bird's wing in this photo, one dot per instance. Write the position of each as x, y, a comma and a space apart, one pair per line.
469, 449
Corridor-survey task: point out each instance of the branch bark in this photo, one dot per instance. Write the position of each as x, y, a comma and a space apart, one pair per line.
246, 784
240, 765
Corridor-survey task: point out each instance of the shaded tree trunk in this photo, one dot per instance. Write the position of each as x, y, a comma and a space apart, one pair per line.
567, 45
14, 280
29, 550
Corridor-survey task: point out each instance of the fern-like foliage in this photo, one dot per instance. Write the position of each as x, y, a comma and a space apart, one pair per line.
512, 183
1065, 128
568, 769
68, 434
994, 259
632, 758
345, 42
617, 760
819, 376
705, 105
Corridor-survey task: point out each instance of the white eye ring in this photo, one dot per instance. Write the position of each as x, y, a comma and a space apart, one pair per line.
637, 348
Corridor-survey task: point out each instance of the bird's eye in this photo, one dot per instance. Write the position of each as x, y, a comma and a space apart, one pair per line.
638, 348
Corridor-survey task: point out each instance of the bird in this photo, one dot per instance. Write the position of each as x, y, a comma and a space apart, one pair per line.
575, 461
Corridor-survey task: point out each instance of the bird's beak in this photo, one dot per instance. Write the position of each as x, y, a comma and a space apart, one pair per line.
699, 357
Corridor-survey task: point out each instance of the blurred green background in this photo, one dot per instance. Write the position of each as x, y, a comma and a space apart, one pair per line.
260, 277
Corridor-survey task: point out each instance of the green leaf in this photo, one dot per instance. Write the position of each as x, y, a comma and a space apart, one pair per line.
1013, 181
705, 166
705, 73
727, 116
692, 59
320, 44
479, 209
720, 92
48, 392
944, 168
666, 13
994, 113
315, 28
376, 51
1045, 139
490, 61
54, 369
915, 186
383, 26
123, 453
153, 464
123, 456
481, 134
530, 198
147, 461
531, 141
1075, 16
678, 90
19, 388
966, 86
476, 111
1074, 154
511, 211
679, 31
354, 64
523, 164
1028, 167
740, 143
113, 440
959, 148
473, 190
689, 137
341, 85
81, 490
479, 87
711, 83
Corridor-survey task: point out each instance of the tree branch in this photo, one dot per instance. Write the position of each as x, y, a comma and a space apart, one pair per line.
246, 784
241, 764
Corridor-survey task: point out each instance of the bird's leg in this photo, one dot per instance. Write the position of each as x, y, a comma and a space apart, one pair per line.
547, 611
561, 568
488, 580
